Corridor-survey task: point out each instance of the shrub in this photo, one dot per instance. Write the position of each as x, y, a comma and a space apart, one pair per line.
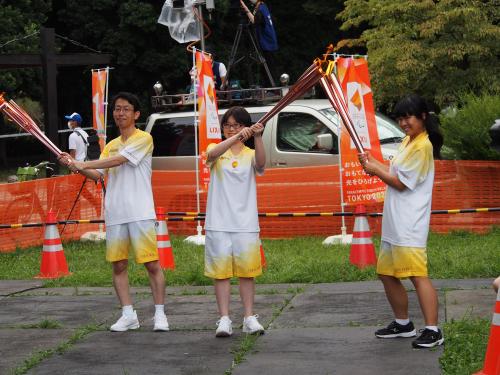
465, 128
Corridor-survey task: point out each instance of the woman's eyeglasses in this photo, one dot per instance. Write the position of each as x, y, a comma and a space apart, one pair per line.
235, 126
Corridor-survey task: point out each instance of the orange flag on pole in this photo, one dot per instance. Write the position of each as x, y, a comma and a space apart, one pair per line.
359, 187
99, 103
209, 125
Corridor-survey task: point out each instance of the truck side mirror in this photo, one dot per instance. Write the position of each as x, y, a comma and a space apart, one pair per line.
325, 142
495, 136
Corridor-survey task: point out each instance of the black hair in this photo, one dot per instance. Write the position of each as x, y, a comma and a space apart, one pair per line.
241, 116
129, 97
415, 105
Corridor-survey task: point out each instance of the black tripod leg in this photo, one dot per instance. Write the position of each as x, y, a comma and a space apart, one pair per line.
261, 58
234, 51
74, 204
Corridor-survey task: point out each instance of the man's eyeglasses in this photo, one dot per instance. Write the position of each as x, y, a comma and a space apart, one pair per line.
123, 109
234, 126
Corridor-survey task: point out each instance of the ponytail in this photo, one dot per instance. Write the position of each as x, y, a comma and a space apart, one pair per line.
431, 123
415, 105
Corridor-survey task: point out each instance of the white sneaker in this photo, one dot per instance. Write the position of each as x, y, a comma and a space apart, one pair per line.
251, 325
161, 322
224, 328
125, 323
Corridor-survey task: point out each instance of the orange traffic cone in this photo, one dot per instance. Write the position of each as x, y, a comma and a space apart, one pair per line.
362, 249
262, 257
53, 260
492, 358
163, 241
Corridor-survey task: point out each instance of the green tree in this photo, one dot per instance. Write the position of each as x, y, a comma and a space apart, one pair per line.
466, 129
142, 50
437, 48
21, 21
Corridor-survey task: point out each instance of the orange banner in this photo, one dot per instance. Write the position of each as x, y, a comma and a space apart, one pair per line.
209, 126
99, 103
358, 187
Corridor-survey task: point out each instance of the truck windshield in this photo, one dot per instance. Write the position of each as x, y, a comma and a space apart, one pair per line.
388, 130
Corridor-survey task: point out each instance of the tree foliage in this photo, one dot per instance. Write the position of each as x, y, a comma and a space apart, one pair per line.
21, 20
466, 128
437, 48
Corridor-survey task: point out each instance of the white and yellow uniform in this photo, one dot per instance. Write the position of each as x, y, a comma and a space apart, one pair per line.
129, 207
405, 224
232, 225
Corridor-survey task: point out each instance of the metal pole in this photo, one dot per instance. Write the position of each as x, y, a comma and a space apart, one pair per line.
341, 169
202, 34
105, 102
196, 127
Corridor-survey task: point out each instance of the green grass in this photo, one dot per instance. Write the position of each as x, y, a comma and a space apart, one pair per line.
299, 260
44, 324
465, 346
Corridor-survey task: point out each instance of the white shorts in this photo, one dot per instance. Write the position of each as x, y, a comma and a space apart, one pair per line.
140, 235
232, 254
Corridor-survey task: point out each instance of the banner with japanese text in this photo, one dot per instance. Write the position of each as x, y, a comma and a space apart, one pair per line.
359, 187
99, 103
209, 125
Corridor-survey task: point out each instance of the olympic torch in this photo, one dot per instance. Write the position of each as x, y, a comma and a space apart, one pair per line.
320, 71
21, 118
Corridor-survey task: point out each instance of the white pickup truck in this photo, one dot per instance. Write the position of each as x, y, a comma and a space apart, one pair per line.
303, 134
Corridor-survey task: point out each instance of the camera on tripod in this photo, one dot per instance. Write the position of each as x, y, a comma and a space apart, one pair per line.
235, 8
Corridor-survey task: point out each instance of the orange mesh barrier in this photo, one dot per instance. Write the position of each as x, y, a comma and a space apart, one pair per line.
29, 202
458, 184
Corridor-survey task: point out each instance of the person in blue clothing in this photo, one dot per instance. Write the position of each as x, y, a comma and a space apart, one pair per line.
264, 29
219, 70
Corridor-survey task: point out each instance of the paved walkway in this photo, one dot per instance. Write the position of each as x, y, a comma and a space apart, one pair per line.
311, 329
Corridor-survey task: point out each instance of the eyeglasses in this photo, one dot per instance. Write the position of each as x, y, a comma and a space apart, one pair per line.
234, 126
123, 109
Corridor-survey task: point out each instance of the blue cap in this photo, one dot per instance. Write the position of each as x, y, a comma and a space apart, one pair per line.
74, 117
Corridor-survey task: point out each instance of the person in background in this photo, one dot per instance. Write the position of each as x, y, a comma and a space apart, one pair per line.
220, 72
406, 218
77, 141
232, 246
129, 208
264, 30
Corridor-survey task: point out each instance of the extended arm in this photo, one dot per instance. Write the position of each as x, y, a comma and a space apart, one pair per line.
260, 154
247, 11
374, 167
222, 147
89, 168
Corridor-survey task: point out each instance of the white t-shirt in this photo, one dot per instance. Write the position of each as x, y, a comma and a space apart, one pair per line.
232, 193
222, 70
129, 196
407, 213
75, 142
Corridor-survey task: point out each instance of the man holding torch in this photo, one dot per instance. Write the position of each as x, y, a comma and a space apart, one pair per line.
129, 208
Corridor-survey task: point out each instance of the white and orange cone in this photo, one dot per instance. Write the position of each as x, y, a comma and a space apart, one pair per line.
163, 241
362, 249
263, 261
492, 357
53, 263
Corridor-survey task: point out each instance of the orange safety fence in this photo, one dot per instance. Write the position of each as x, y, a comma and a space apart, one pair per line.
29, 202
458, 184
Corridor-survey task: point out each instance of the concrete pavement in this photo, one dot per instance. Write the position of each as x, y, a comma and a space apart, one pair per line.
311, 329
